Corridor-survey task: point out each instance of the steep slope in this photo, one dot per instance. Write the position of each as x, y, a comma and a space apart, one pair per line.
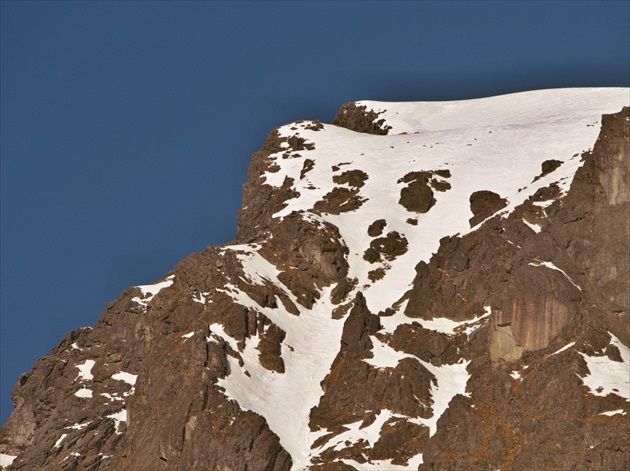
442, 285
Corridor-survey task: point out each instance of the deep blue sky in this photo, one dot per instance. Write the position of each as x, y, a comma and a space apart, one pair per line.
127, 128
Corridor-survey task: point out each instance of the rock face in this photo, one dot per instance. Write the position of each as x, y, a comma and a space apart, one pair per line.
409, 299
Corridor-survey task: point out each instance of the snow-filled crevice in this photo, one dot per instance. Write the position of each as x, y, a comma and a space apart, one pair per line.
309, 348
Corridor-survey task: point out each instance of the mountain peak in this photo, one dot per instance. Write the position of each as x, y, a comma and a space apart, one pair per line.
437, 285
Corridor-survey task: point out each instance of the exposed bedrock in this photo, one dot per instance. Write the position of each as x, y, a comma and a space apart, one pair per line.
358, 118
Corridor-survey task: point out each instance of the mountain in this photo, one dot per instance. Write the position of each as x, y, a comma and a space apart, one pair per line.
435, 286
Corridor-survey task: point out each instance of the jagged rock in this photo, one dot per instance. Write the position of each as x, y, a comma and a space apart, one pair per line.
358, 118
484, 204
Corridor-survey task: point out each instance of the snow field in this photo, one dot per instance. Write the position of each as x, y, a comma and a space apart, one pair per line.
496, 144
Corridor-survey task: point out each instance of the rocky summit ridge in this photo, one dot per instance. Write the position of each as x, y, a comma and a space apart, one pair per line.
434, 286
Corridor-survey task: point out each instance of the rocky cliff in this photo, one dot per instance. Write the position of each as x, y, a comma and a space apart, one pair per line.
435, 286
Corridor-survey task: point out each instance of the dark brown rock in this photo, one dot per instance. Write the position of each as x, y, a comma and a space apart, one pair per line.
339, 200
548, 166
359, 119
418, 195
376, 228
386, 248
484, 204
354, 178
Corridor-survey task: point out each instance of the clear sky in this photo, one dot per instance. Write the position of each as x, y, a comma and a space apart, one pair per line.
127, 127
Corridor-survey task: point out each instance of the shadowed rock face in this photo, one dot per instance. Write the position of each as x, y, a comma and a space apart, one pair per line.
531, 308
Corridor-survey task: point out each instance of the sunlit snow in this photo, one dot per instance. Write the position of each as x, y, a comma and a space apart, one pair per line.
371, 435
118, 417
285, 400
149, 291
607, 376
566, 347
534, 227
85, 370
126, 377
6, 460
202, 298
84, 393
79, 426
61, 439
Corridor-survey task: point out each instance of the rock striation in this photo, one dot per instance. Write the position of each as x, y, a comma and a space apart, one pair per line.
433, 286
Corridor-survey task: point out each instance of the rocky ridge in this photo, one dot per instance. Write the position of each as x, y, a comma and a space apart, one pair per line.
419, 286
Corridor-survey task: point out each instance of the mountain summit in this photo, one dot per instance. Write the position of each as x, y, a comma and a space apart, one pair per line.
435, 286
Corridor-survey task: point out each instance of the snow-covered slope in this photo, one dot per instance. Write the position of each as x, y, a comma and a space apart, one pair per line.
433, 296
497, 144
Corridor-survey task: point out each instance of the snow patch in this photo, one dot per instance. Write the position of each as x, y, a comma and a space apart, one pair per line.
370, 434
6, 460
111, 397
451, 327
257, 269
149, 291
467, 138
188, 335
385, 356
217, 330
85, 370
566, 347
79, 426
118, 417
202, 298
610, 413
61, 439
534, 227
84, 393
607, 376
553, 267
126, 377
450, 380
